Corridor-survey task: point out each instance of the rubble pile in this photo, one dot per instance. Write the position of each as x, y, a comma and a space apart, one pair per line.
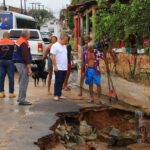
72, 136
93, 129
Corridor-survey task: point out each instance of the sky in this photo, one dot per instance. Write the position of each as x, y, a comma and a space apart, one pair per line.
54, 5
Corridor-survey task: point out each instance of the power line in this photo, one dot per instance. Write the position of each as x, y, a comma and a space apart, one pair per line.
34, 5
39, 7
43, 7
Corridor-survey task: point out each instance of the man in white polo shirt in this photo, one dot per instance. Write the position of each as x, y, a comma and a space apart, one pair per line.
60, 62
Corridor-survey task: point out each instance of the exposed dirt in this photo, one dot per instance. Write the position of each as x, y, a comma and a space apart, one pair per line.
108, 117
98, 118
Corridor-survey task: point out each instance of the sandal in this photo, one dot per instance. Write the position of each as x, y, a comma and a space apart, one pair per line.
90, 101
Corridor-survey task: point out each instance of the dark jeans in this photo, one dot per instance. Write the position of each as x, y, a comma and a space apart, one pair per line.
59, 80
7, 67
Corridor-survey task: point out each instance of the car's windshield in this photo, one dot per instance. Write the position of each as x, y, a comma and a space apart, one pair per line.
15, 34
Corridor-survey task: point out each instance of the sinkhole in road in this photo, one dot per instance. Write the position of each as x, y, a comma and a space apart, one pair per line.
97, 128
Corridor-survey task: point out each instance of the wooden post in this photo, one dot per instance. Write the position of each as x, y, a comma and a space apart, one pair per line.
87, 23
75, 32
81, 29
78, 32
93, 23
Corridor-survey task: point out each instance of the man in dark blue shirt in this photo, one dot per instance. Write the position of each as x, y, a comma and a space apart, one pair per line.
6, 64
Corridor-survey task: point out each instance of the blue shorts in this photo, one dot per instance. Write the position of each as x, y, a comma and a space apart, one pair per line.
92, 77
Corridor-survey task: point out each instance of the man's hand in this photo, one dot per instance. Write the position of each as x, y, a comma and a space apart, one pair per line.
44, 59
53, 57
55, 68
29, 70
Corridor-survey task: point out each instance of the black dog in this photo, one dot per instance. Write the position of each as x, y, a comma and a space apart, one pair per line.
39, 73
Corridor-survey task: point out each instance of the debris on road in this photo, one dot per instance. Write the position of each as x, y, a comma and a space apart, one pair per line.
90, 127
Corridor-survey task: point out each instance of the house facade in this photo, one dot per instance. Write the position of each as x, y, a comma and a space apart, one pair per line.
84, 24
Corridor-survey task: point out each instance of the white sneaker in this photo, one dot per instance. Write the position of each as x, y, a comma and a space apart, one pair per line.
56, 98
62, 97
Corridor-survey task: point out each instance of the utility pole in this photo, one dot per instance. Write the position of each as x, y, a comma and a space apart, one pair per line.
21, 6
42, 6
39, 6
25, 8
35, 4
32, 5
4, 4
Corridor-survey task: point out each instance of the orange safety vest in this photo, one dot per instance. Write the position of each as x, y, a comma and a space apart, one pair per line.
22, 40
17, 57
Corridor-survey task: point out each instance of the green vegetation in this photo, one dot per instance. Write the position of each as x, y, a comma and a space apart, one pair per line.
120, 20
72, 42
78, 1
41, 16
70, 14
70, 20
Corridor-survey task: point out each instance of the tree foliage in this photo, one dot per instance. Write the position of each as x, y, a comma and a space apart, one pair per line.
120, 20
70, 20
78, 1
70, 14
41, 16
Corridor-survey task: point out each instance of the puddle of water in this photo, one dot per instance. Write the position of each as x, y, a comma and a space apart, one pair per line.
16, 110
22, 110
28, 112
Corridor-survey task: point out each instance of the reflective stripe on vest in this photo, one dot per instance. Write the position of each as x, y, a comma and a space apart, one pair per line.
6, 49
22, 40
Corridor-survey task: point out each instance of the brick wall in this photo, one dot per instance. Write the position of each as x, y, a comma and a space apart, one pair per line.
124, 65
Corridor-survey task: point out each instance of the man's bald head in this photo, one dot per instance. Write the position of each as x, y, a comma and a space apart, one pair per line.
64, 39
25, 33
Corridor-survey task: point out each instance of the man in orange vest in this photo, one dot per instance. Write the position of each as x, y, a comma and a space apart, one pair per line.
6, 64
23, 59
